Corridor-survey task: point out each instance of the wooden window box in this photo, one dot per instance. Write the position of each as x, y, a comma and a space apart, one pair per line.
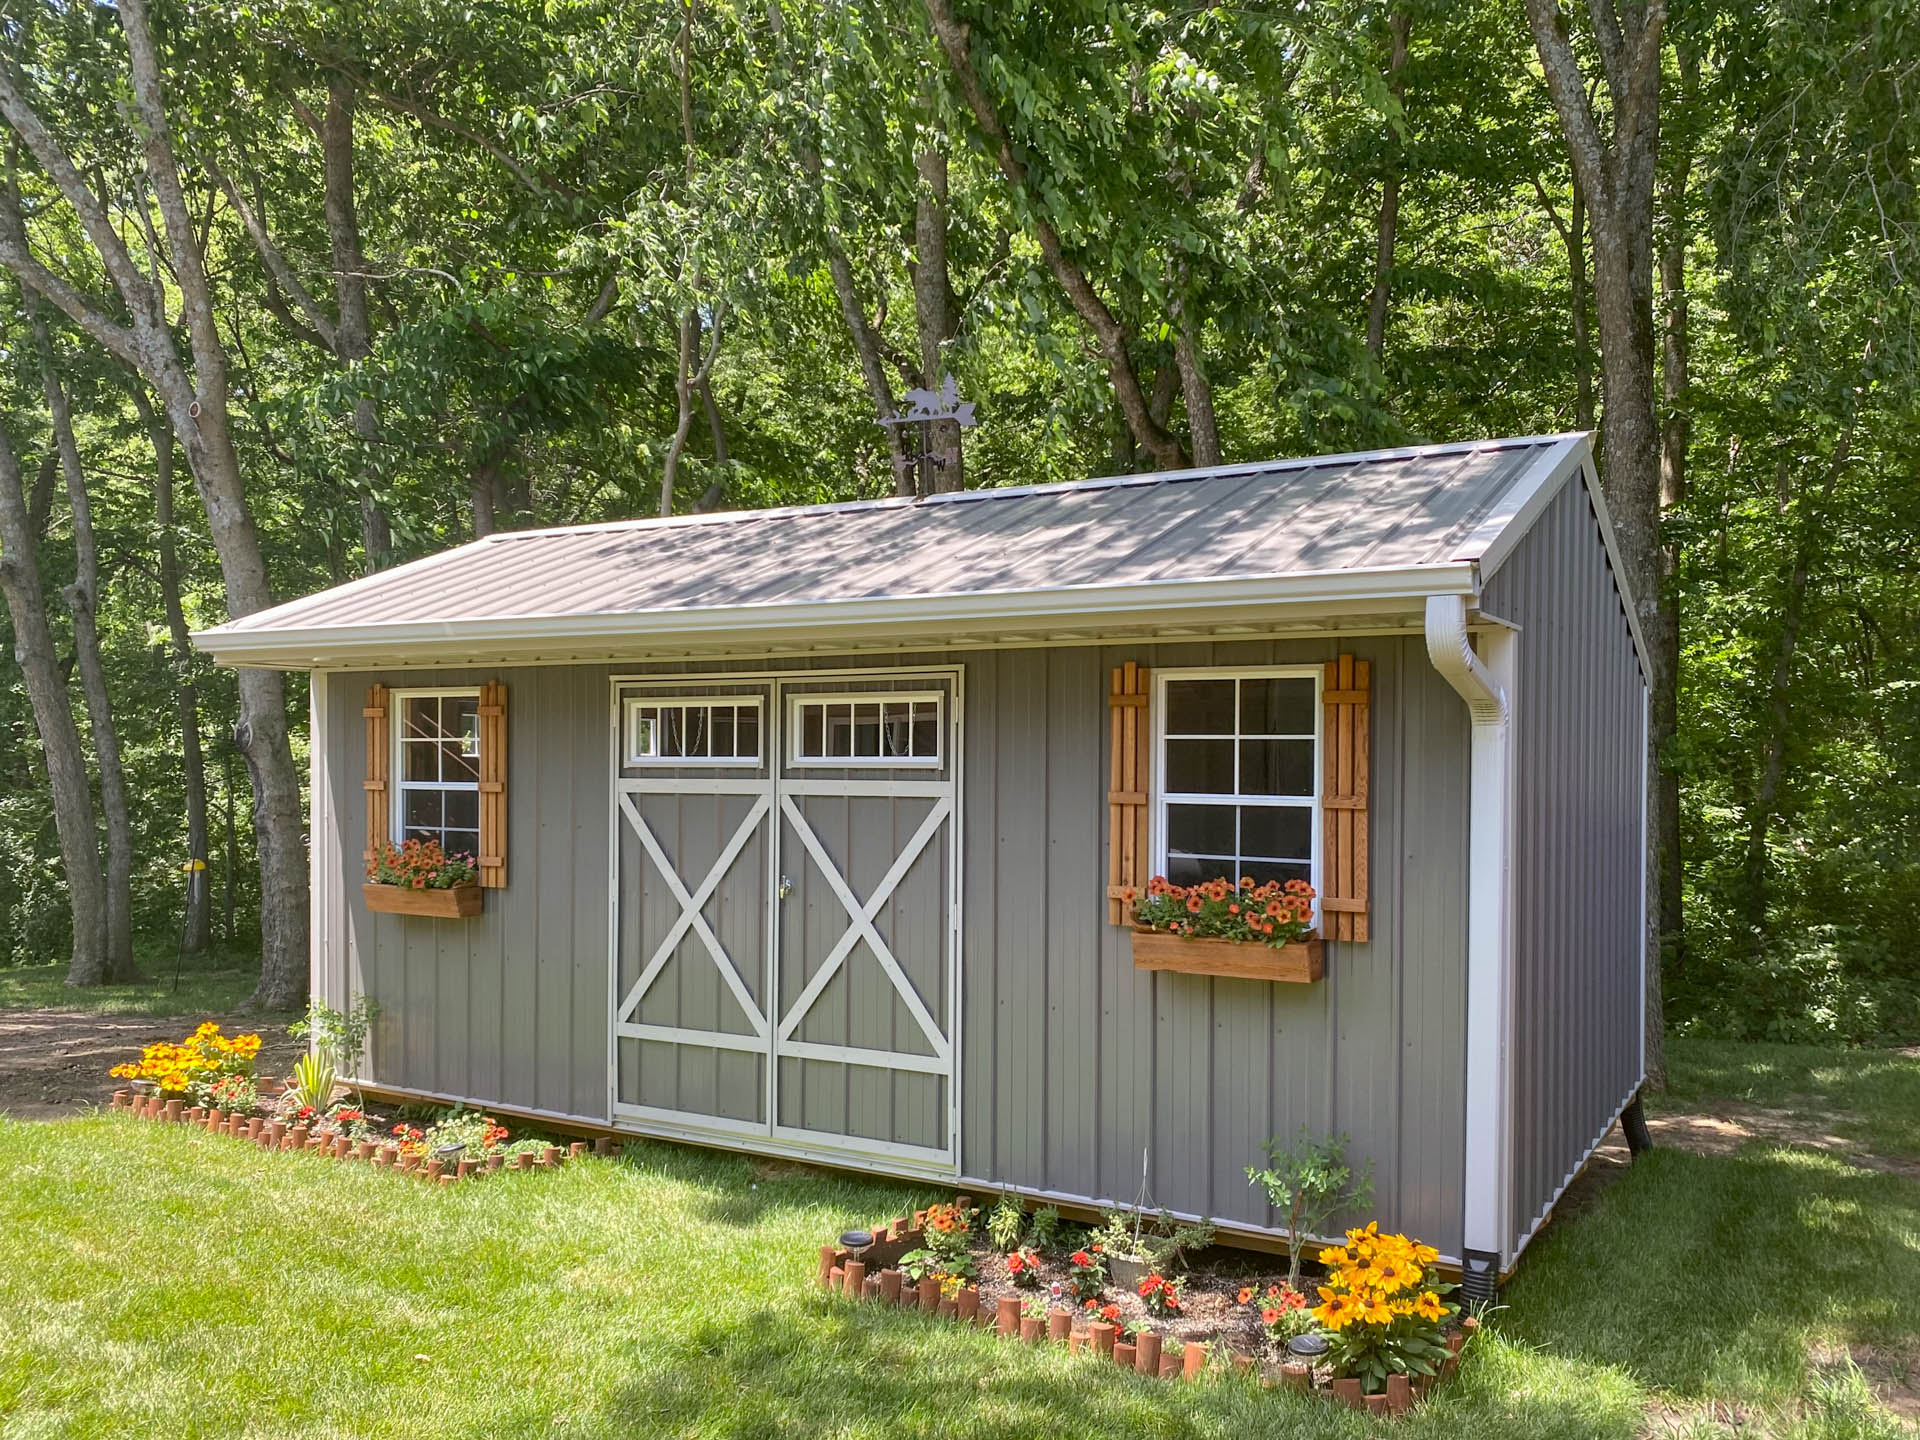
1301, 963
455, 904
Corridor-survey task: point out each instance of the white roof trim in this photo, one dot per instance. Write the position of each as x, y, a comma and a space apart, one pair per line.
1357, 591
1516, 513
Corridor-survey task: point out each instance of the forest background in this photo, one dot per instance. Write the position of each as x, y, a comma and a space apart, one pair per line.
296, 290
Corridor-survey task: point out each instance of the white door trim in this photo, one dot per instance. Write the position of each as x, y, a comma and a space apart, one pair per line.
773, 790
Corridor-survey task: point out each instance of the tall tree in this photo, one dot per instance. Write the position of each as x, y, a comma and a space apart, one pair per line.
1399, 25
1615, 168
195, 394
66, 763
83, 602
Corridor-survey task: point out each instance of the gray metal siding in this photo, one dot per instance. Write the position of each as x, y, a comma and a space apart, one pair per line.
1072, 1063
1076, 1063
1579, 847
509, 1007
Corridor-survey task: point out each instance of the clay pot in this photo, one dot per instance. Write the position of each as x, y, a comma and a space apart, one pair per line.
1103, 1335
194, 1112
1193, 1360
1347, 1392
494, 1162
174, 1107
446, 1179
120, 1098
1296, 1376
603, 1146
836, 1279
1449, 1370
870, 1288
1006, 1320
576, 1149
890, 1287
1243, 1365
1077, 1340
339, 1147
1456, 1339
551, 1156
254, 1126
1059, 1325
409, 1163
930, 1295
382, 1157
298, 1139
1032, 1327
435, 1169
1124, 1353
153, 1107
968, 1312
1147, 1353
1169, 1366
1399, 1395
523, 1161
276, 1132
948, 1310
363, 1150
1376, 1404
1422, 1384
855, 1274
467, 1167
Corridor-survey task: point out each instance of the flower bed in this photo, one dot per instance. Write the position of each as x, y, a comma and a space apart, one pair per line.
208, 1080
1245, 931
419, 878
1389, 1334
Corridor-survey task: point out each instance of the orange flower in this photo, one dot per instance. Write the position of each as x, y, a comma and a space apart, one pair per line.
1246, 1293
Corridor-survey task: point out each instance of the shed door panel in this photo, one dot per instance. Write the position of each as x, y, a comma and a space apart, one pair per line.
693, 846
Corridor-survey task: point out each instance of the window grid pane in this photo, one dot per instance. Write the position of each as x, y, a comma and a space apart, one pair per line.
693, 732
881, 732
1247, 745
439, 772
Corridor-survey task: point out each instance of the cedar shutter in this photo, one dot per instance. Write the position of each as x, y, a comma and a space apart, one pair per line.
1345, 741
379, 760
493, 785
1130, 763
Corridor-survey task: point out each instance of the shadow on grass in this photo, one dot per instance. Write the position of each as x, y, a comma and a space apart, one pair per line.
827, 1368
744, 1192
1715, 1276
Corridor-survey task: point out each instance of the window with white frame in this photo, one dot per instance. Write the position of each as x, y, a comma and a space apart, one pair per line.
720, 731
1238, 770
438, 762
867, 731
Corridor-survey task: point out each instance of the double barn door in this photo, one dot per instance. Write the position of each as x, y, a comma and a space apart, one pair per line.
785, 930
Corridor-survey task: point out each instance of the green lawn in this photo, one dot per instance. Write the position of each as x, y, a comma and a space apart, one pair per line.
164, 1281
1869, 1095
214, 983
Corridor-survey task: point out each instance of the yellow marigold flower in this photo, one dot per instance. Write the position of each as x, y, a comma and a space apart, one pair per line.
1428, 1307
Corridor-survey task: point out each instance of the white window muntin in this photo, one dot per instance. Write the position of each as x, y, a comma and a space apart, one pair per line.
645, 736
452, 791
1165, 798
913, 740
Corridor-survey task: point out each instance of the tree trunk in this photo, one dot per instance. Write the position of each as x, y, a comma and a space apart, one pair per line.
1617, 174
683, 383
196, 929
1108, 333
717, 431
1579, 299
1398, 24
198, 410
53, 717
933, 312
873, 366
1676, 437
82, 598
1189, 360
354, 332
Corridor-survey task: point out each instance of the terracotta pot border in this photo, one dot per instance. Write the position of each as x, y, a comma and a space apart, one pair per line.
380, 1154
871, 1279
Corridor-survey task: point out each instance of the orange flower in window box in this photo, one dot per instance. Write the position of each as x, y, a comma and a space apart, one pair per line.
419, 878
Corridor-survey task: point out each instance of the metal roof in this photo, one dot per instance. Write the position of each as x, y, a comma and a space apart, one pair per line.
1361, 533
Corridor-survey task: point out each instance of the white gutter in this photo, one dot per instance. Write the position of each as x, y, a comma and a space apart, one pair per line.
258, 640
1484, 681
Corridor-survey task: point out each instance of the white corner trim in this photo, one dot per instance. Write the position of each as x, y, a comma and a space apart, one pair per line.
1486, 684
321, 849
1514, 513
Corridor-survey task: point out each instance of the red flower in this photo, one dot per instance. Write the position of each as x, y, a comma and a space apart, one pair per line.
1080, 1257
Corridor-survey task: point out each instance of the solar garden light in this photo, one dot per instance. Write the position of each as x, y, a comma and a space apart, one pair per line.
450, 1154
857, 1242
1311, 1346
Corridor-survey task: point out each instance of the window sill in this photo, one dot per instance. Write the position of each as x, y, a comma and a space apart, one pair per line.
1302, 963
458, 903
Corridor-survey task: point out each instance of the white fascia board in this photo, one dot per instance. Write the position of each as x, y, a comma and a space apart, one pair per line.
1517, 511
1358, 592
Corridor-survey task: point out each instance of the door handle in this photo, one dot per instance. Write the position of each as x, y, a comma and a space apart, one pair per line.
786, 887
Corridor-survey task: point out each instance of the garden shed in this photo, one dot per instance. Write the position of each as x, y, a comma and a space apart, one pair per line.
812, 831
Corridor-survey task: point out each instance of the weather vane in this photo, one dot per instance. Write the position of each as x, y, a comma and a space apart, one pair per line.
922, 408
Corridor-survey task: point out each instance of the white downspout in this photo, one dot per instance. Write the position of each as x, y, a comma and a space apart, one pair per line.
1484, 681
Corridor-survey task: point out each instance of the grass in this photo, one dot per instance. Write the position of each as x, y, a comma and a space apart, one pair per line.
216, 982
1868, 1095
161, 1280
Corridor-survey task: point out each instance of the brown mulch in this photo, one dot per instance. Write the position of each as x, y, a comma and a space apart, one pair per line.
54, 1063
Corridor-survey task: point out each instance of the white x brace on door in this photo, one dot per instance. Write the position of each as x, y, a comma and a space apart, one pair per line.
785, 915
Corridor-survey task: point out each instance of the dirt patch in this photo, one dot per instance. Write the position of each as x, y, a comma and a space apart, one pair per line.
54, 1063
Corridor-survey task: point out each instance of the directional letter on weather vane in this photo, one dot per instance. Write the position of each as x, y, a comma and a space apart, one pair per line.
925, 405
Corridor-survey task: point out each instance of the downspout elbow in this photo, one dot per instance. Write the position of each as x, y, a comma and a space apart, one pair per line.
1452, 654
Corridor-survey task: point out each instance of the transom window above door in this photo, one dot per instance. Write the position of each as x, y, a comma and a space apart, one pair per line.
1238, 769
438, 739
867, 731
722, 731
